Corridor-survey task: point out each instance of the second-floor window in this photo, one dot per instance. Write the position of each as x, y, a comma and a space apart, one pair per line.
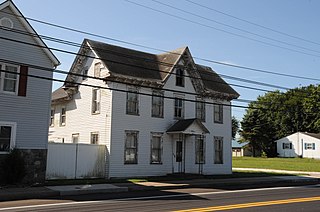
52, 112
218, 113
95, 108
9, 80
201, 109
63, 116
178, 108
157, 104
180, 77
132, 101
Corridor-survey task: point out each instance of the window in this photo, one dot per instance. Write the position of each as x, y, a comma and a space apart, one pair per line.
157, 104
286, 145
7, 135
178, 108
63, 116
52, 112
180, 77
85, 73
94, 138
218, 150
97, 69
218, 113
200, 149
131, 147
156, 148
132, 101
75, 138
95, 108
9, 80
201, 109
309, 146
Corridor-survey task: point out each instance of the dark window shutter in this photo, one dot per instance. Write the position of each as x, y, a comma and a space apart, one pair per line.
282, 145
290, 145
23, 81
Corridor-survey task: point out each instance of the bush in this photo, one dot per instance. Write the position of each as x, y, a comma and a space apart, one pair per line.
13, 168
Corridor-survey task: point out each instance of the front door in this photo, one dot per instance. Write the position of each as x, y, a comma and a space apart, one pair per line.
178, 159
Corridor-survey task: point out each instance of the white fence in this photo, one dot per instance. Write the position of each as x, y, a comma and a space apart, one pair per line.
75, 161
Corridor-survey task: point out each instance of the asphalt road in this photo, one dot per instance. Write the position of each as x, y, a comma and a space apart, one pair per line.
304, 198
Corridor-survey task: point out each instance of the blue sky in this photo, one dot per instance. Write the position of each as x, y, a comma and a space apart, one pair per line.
122, 20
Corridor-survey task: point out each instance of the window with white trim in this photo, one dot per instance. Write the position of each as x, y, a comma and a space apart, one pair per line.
200, 109
218, 113
95, 108
63, 116
7, 136
309, 146
218, 150
157, 104
178, 107
94, 138
131, 147
9, 80
200, 149
156, 148
52, 113
286, 145
75, 138
132, 101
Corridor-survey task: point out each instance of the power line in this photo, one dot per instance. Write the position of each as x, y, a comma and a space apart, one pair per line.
252, 23
69, 52
233, 27
221, 30
161, 50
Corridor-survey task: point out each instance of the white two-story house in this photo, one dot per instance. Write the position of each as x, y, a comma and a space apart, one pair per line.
24, 100
156, 113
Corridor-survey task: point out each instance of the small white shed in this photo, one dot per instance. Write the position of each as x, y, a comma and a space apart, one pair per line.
299, 144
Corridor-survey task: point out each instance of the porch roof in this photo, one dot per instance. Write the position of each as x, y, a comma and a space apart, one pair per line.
188, 126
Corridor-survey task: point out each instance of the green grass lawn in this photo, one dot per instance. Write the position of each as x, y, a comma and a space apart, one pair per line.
291, 164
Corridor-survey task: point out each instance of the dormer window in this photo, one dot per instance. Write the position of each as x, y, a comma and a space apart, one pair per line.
180, 77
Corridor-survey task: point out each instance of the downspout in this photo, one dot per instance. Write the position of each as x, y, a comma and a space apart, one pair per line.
184, 153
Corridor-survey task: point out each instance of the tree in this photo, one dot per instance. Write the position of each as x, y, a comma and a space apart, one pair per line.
235, 127
276, 115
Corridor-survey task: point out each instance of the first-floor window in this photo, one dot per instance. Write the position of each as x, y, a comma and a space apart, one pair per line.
156, 148
7, 133
286, 145
94, 138
200, 149
131, 147
218, 150
52, 112
75, 138
309, 146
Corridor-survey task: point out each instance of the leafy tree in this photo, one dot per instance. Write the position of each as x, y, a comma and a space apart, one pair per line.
235, 127
276, 115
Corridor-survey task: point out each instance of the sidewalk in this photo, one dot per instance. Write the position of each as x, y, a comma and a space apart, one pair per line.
56, 191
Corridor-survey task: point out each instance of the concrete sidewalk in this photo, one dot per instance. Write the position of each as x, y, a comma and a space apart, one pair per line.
56, 191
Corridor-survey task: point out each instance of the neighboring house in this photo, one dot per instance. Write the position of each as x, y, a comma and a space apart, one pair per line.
299, 144
240, 149
24, 100
159, 114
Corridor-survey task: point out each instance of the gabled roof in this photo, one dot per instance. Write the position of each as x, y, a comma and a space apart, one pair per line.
236, 144
182, 125
30, 29
155, 68
59, 95
314, 135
